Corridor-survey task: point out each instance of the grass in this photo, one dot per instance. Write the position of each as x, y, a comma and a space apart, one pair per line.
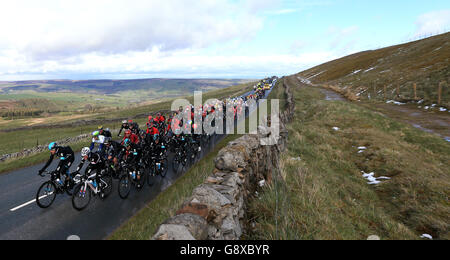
15, 164
145, 223
28, 138
423, 62
324, 196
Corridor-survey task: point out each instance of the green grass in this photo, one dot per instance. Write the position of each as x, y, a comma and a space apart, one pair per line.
145, 223
324, 196
24, 139
423, 62
15, 164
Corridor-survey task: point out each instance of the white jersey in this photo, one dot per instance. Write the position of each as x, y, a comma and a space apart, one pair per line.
101, 139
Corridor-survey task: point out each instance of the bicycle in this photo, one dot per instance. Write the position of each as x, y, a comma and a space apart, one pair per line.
158, 167
47, 192
89, 187
130, 177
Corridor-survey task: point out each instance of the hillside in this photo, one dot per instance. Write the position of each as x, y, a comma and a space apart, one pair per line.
351, 173
21, 99
103, 87
365, 74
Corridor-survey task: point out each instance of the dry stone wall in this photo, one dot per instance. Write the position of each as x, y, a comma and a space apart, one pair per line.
216, 210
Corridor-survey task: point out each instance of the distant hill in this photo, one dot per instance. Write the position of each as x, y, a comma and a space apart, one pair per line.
425, 62
33, 98
115, 86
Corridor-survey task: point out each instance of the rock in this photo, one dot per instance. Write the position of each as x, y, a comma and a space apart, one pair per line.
197, 226
212, 198
214, 180
194, 208
231, 158
173, 232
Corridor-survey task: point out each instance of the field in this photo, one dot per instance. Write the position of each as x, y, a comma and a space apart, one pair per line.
323, 193
66, 98
44, 133
390, 73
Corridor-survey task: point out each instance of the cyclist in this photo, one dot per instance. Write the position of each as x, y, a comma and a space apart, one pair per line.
158, 146
125, 126
105, 132
96, 163
131, 155
131, 136
97, 139
66, 156
134, 127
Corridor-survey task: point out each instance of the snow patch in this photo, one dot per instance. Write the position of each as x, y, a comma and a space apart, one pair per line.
262, 183
372, 180
426, 236
395, 102
369, 69
316, 75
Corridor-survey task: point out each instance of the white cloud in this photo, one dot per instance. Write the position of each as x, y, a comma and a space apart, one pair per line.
344, 39
53, 29
156, 64
137, 38
432, 23
283, 11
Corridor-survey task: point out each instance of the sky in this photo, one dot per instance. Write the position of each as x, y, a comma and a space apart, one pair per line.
112, 39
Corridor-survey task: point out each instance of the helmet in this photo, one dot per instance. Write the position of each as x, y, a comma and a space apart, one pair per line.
100, 127
127, 142
51, 146
95, 133
85, 151
150, 118
155, 136
128, 132
130, 121
124, 121
107, 140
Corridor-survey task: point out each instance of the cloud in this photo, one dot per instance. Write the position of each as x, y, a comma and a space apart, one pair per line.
180, 64
283, 11
343, 39
432, 23
52, 29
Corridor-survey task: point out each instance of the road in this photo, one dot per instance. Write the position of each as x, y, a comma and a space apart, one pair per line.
22, 219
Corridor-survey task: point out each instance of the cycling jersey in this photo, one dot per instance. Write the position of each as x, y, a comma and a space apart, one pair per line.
66, 156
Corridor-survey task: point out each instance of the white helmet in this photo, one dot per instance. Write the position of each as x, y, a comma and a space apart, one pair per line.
85, 151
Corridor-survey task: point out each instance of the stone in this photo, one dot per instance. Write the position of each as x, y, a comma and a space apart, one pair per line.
197, 225
212, 198
194, 208
173, 232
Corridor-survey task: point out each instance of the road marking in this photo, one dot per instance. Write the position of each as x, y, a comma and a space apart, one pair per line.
28, 203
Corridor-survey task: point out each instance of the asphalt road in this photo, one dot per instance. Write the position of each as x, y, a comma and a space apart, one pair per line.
22, 219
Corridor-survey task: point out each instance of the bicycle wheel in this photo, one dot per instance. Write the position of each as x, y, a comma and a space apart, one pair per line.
124, 186
107, 185
46, 194
151, 176
69, 186
164, 167
140, 179
81, 196
176, 163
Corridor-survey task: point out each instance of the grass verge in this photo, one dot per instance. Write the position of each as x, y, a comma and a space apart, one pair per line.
145, 223
323, 195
